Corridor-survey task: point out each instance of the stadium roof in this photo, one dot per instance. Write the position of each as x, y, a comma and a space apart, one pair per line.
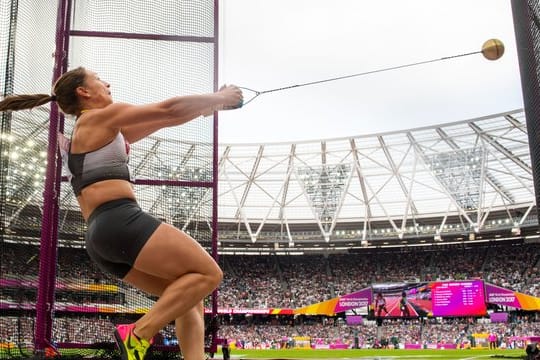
461, 178
469, 174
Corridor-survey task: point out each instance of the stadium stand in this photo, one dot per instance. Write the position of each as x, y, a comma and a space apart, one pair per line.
262, 282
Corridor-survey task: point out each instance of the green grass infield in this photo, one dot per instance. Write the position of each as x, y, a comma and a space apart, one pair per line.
363, 354
379, 354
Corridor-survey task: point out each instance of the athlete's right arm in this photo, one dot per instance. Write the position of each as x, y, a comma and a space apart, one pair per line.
171, 112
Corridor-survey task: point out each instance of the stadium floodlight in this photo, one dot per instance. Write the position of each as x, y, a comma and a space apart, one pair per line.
324, 186
460, 172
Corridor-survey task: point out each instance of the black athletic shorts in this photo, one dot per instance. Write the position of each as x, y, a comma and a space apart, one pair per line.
117, 231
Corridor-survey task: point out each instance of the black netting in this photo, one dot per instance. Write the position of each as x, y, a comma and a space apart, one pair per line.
527, 28
166, 17
148, 51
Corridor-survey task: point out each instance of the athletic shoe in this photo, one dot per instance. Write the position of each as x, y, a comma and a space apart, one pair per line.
131, 347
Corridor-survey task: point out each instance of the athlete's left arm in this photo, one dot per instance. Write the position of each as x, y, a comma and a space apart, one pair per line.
136, 132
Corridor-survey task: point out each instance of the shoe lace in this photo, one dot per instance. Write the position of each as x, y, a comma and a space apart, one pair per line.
138, 346
142, 346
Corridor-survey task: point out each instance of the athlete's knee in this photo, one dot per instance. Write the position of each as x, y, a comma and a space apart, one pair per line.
215, 277
210, 277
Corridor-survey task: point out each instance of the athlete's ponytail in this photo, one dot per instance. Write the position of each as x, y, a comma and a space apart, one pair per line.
21, 102
64, 93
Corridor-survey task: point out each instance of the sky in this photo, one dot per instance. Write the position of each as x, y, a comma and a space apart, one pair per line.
268, 44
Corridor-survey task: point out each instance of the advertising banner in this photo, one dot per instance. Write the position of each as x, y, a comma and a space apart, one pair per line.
336, 305
505, 297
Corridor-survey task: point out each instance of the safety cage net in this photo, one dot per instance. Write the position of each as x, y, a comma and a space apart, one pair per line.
54, 300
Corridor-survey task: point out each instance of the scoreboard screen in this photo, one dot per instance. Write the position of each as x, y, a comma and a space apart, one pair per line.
458, 298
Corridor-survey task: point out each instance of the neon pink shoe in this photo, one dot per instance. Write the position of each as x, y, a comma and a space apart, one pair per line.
131, 347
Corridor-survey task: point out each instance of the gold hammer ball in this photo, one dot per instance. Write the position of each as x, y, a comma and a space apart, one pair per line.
493, 49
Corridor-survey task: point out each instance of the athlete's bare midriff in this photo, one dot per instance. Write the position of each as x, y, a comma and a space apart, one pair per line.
101, 192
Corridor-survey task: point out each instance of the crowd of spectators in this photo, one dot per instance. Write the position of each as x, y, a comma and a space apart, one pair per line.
22, 261
457, 331
293, 281
276, 334
72, 329
271, 281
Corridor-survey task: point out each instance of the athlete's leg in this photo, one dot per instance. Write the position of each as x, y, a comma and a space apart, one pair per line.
189, 327
190, 332
172, 255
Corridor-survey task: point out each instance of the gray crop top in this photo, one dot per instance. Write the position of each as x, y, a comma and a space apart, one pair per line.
107, 162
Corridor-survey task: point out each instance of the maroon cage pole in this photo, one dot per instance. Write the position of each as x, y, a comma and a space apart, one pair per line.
48, 252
